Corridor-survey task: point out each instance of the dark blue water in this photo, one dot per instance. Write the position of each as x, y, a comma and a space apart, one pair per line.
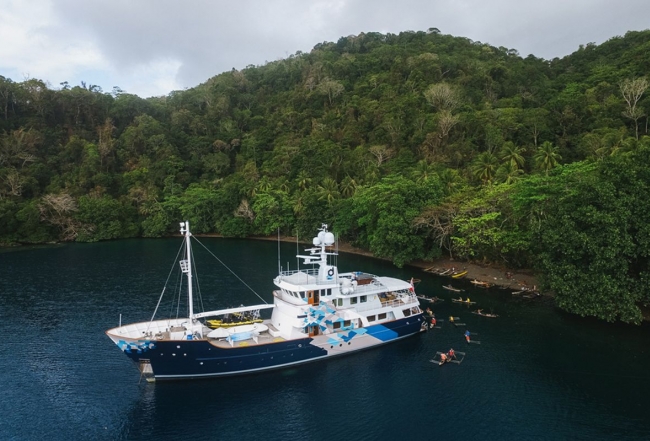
538, 374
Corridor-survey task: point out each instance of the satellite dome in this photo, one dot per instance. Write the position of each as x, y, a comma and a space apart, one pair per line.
329, 238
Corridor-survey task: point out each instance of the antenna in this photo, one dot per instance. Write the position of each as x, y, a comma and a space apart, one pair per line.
297, 252
279, 266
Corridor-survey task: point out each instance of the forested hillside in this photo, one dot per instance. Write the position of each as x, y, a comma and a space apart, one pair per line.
411, 146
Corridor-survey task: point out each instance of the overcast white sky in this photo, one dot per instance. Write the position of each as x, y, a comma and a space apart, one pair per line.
151, 47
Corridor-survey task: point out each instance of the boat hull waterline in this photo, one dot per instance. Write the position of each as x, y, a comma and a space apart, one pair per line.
192, 359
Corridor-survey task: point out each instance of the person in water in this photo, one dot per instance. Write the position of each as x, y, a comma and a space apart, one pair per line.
451, 353
451, 319
467, 334
467, 300
443, 359
433, 322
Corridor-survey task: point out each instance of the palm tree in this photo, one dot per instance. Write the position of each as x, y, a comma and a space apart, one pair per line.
547, 156
450, 179
508, 173
328, 190
485, 166
348, 187
512, 154
423, 171
264, 185
303, 180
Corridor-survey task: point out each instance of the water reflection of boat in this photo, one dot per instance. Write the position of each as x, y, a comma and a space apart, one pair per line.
317, 313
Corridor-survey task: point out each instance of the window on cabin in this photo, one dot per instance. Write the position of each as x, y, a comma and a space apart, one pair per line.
371, 318
364, 299
347, 323
407, 312
340, 302
381, 316
353, 300
336, 325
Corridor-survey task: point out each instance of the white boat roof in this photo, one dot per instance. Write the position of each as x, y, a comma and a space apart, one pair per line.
300, 278
392, 283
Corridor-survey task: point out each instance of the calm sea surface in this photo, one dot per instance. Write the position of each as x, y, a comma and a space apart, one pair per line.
538, 374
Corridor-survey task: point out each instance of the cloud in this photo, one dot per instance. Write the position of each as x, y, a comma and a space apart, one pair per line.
150, 47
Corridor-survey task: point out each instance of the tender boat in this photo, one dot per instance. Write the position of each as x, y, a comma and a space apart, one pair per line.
459, 274
317, 313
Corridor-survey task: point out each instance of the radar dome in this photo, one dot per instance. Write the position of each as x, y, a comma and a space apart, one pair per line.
316, 241
329, 238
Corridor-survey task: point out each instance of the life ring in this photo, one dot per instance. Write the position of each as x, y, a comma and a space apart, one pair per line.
330, 272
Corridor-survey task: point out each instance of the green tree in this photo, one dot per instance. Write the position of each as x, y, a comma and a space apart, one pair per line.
381, 218
485, 166
547, 157
513, 155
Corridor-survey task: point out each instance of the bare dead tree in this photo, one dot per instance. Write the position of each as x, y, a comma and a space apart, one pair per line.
244, 210
57, 210
632, 90
439, 222
442, 96
446, 122
14, 182
382, 153
330, 88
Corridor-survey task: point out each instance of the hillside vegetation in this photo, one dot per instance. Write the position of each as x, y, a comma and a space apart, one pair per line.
410, 146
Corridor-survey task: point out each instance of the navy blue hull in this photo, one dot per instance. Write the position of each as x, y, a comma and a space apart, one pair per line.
188, 359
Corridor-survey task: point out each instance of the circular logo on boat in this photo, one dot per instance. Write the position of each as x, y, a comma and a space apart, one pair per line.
330, 272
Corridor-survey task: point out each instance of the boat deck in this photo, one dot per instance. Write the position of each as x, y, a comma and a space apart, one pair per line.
263, 339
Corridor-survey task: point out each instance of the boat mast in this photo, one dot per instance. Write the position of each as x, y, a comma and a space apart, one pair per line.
186, 265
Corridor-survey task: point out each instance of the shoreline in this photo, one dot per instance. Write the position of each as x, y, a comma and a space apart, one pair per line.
518, 279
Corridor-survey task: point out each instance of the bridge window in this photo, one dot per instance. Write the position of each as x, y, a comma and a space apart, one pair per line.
364, 299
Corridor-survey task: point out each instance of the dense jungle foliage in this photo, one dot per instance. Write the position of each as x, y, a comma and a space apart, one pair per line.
411, 146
